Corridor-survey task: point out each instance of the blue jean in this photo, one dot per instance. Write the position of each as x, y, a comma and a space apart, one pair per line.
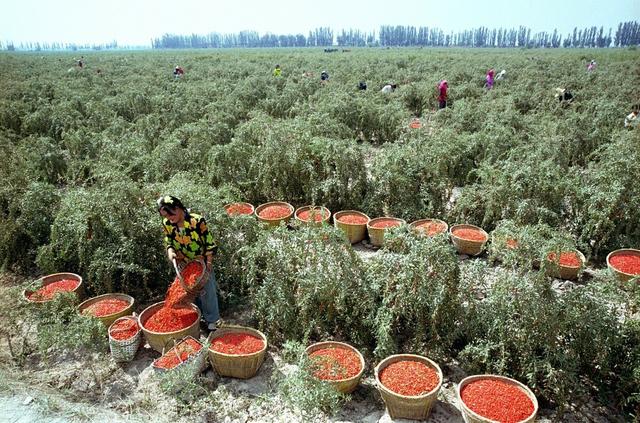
207, 301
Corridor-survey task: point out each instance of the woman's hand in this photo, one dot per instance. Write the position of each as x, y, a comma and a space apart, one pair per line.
171, 254
209, 263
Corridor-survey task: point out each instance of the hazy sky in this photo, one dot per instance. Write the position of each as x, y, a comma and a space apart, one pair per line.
137, 21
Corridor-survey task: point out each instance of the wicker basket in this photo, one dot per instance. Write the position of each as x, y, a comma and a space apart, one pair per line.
160, 341
191, 293
109, 318
408, 407
274, 222
564, 272
341, 385
194, 365
466, 246
227, 206
417, 226
376, 235
471, 417
622, 276
55, 277
326, 215
241, 366
126, 349
355, 232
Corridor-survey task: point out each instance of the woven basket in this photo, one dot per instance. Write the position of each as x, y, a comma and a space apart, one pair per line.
326, 215
622, 276
417, 226
341, 385
355, 233
376, 235
241, 366
194, 365
55, 277
466, 246
227, 206
408, 407
274, 222
192, 292
562, 271
160, 341
126, 349
109, 318
471, 417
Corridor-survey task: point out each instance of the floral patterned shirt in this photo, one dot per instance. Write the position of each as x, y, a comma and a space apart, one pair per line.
191, 240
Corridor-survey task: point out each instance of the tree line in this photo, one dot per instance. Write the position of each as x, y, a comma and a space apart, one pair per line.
626, 34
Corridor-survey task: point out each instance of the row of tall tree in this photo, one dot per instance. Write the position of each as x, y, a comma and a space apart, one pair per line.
627, 34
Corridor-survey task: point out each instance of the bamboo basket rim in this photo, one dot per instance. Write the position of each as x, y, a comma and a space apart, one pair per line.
274, 203
58, 277
337, 215
130, 317
408, 357
519, 384
416, 224
375, 219
86, 303
237, 329
178, 342
618, 251
468, 226
318, 345
581, 256
158, 305
253, 208
303, 208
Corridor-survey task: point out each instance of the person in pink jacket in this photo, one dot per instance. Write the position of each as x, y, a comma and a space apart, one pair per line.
443, 86
490, 78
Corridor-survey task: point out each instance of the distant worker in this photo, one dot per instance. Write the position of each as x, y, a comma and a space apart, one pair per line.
443, 86
80, 62
591, 66
389, 88
564, 96
324, 76
501, 75
277, 71
362, 86
178, 72
632, 121
490, 78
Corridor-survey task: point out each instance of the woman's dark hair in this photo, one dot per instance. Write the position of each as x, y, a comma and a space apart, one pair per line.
170, 204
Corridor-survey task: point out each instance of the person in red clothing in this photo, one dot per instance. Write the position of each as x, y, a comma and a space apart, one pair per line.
490, 78
443, 86
178, 72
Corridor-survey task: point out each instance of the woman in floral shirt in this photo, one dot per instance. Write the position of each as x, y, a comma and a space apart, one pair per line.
187, 238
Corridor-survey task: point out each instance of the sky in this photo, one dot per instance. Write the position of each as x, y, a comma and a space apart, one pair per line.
136, 22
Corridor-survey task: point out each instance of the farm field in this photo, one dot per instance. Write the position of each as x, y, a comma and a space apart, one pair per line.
88, 151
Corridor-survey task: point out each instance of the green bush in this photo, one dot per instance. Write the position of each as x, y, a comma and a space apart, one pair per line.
309, 283
109, 237
299, 389
524, 329
418, 307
